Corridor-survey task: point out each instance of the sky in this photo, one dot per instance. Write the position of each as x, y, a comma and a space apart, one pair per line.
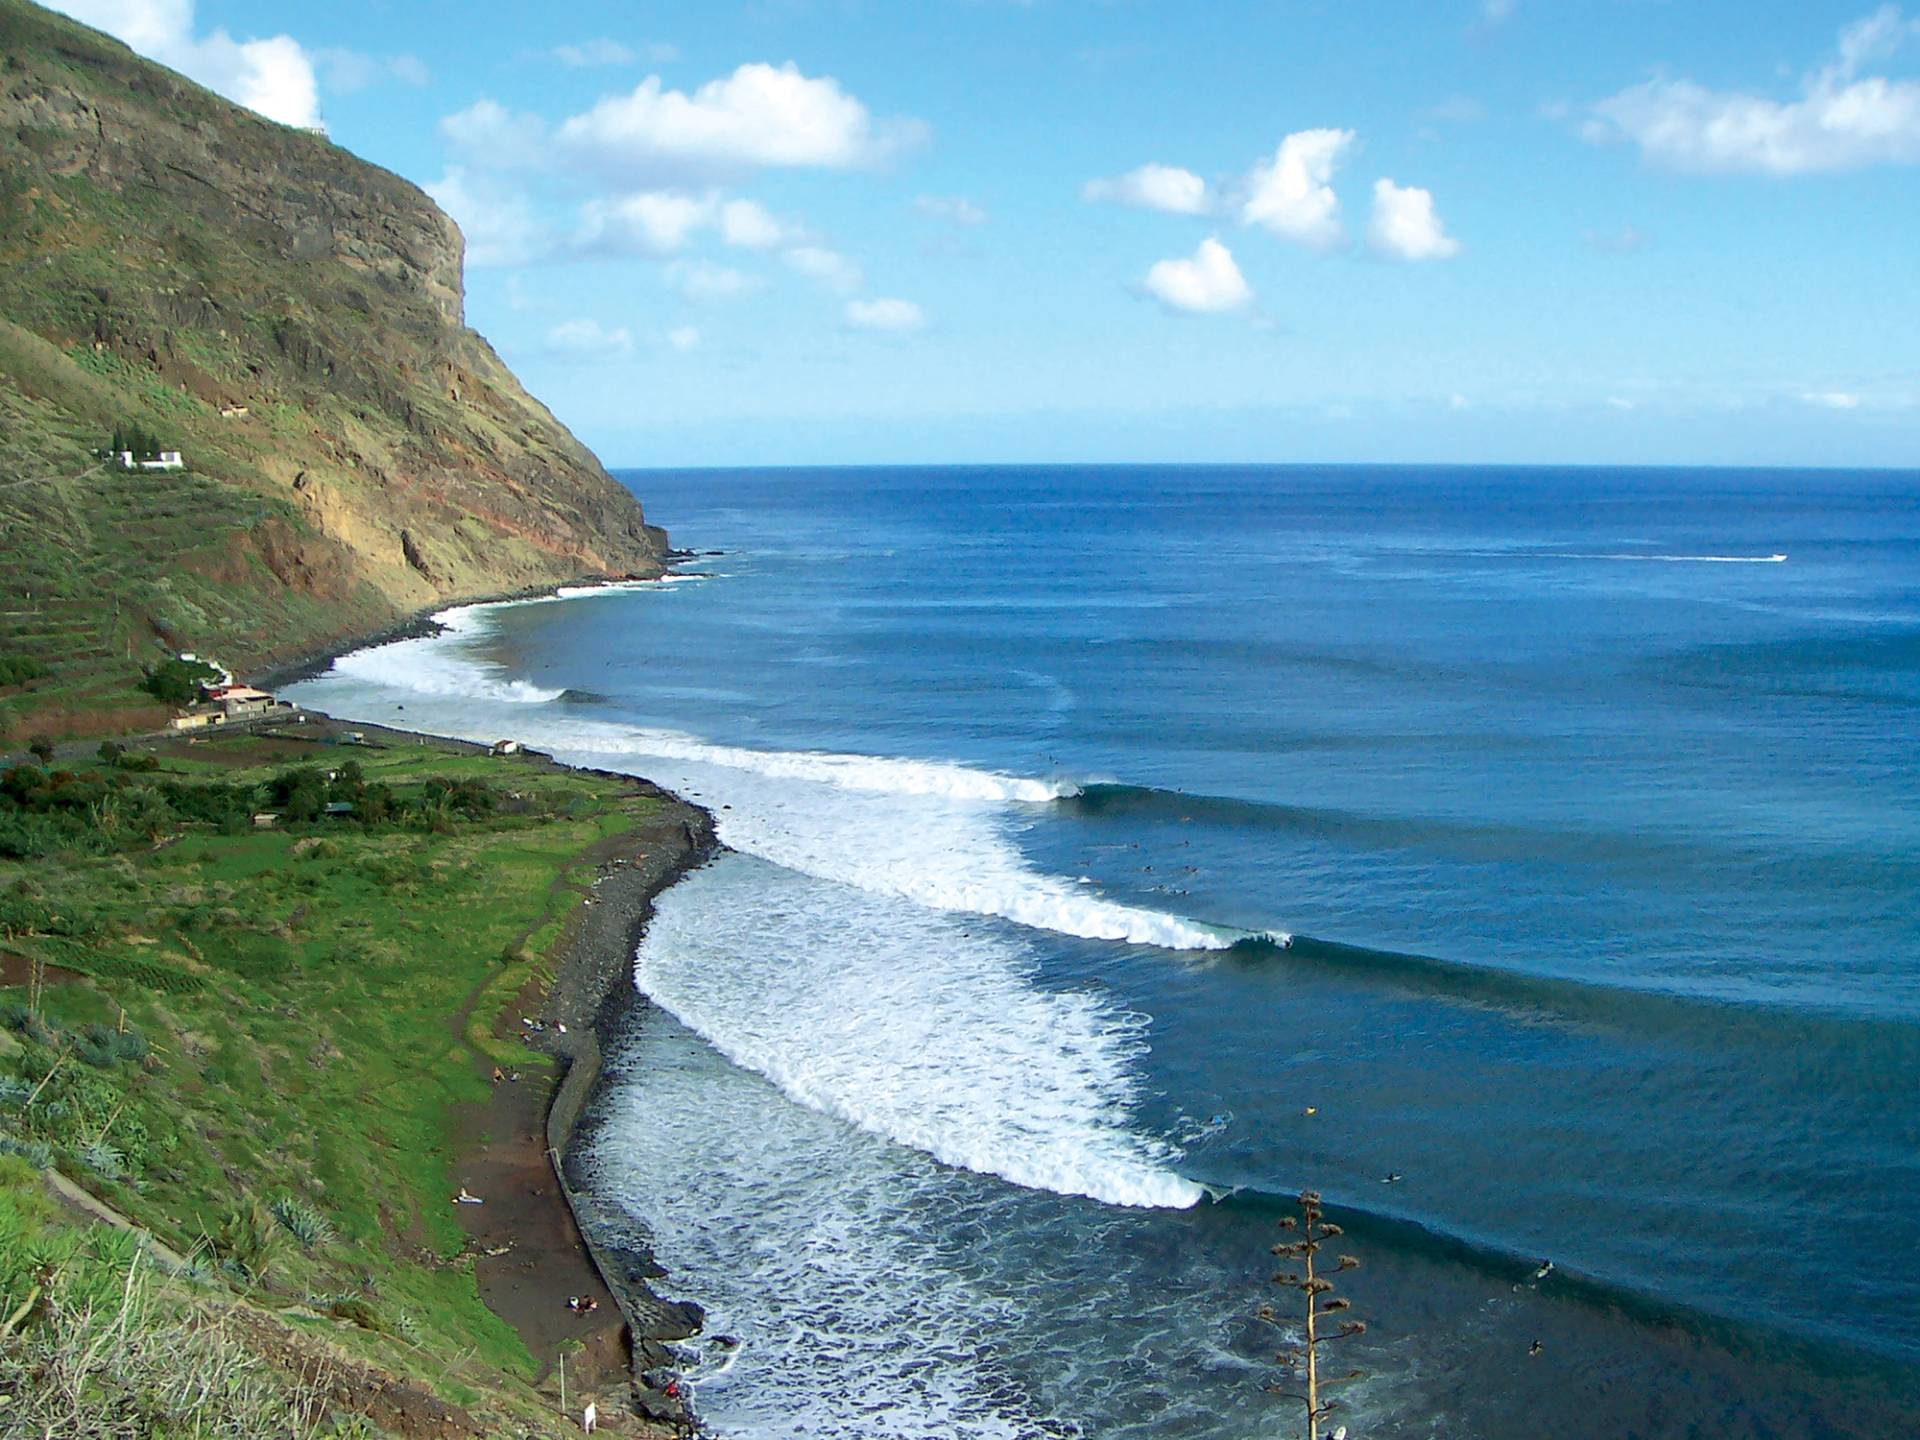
764, 232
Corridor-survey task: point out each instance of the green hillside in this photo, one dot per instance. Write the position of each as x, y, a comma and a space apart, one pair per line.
289, 318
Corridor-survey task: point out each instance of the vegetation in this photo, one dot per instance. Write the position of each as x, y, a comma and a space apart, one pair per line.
95, 1343
254, 1043
178, 681
130, 438
326, 400
21, 670
1325, 1317
128, 800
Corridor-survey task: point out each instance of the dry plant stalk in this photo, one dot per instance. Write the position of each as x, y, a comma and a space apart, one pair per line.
1322, 1307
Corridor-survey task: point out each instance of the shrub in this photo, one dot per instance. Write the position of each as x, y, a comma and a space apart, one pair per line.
178, 682
98, 1046
36, 1153
300, 1220
15, 1014
19, 669
102, 1158
245, 1240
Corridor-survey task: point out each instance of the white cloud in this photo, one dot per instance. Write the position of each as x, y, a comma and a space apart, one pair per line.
1878, 36
594, 54
1841, 120
1493, 12
660, 222
494, 136
747, 225
349, 70
683, 338
1405, 226
1154, 187
1620, 402
588, 339
1290, 194
704, 280
1833, 399
954, 208
273, 76
650, 222
894, 315
499, 225
760, 115
1207, 283
829, 267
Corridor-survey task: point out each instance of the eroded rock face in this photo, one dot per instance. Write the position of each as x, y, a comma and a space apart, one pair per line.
290, 317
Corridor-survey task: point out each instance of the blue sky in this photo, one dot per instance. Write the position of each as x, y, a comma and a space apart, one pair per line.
869, 231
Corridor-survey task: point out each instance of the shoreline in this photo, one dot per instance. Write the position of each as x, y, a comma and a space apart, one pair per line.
536, 1250
421, 624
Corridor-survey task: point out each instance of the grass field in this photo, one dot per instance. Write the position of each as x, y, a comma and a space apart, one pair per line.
258, 1049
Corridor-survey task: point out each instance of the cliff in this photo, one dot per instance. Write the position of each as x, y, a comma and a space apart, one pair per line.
290, 318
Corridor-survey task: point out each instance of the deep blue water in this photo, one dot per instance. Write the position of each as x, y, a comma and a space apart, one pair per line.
1596, 826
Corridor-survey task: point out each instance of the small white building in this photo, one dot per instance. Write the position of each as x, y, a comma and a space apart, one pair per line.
169, 460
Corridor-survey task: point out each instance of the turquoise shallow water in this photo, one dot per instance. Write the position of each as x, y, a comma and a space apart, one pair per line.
1588, 801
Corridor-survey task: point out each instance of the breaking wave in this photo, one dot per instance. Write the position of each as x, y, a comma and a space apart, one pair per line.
441, 665
902, 1022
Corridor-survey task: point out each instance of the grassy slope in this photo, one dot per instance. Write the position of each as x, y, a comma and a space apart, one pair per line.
164, 256
313, 1002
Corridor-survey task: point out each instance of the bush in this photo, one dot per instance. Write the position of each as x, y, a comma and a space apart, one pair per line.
178, 682
36, 1153
98, 1046
245, 1239
300, 1220
19, 669
102, 1158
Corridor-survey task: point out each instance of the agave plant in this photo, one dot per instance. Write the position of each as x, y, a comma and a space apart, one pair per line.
99, 1156
36, 1153
300, 1220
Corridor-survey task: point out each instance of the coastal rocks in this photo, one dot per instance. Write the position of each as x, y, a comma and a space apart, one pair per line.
591, 999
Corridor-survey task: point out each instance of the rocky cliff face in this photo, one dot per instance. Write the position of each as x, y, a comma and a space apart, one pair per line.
290, 318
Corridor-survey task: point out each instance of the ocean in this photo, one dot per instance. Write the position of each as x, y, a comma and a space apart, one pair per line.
1527, 860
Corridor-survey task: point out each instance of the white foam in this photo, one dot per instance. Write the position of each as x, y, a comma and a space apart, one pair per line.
828, 1257
842, 965
618, 587
1687, 559
928, 831
875, 774
442, 664
910, 1026
935, 834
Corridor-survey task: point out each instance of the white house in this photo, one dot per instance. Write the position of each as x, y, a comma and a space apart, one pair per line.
169, 460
